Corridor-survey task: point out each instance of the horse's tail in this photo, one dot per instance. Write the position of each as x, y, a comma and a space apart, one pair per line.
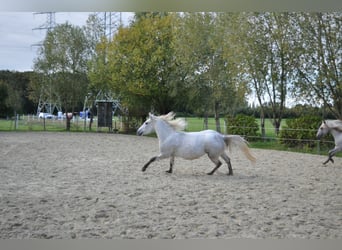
241, 143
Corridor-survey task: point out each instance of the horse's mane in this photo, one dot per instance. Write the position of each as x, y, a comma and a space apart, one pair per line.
335, 124
177, 124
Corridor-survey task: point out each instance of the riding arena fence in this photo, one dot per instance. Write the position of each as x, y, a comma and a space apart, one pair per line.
81, 124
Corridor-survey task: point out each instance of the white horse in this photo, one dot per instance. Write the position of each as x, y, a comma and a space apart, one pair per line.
335, 128
174, 143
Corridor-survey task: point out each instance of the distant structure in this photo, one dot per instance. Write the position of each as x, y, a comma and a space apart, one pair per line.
48, 101
49, 24
106, 103
111, 21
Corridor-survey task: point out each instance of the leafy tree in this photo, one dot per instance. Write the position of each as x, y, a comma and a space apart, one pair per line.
142, 64
15, 88
270, 58
98, 70
3, 99
319, 65
62, 66
205, 52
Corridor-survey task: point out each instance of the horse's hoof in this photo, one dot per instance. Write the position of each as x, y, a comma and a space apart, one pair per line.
210, 173
168, 171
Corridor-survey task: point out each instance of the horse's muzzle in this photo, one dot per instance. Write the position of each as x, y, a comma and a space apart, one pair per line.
318, 136
139, 133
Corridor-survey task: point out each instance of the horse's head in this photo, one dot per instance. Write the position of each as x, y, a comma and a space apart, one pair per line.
323, 130
148, 126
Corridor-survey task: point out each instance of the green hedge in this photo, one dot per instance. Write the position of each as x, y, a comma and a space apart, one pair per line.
301, 132
243, 125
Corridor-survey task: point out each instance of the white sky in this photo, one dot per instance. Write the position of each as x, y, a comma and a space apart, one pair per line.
17, 35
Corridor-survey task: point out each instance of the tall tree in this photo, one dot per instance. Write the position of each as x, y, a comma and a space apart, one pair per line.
320, 64
270, 59
98, 71
141, 62
62, 66
15, 87
205, 51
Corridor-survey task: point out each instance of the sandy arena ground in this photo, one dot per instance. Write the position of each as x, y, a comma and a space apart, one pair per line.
78, 185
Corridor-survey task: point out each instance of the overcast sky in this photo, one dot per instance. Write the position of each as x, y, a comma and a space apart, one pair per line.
18, 36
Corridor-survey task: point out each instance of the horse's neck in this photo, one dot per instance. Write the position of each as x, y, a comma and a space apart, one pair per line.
163, 130
336, 133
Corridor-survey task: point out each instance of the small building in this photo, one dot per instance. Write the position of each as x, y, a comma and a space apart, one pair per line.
105, 114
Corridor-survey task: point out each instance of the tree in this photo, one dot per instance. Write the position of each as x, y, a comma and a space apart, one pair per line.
141, 64
62, 65
4, 109
98, 71
270, 58
319, 64
15, 92
205, 52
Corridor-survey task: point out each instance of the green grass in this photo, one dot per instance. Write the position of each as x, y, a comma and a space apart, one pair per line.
30, 124
197, 124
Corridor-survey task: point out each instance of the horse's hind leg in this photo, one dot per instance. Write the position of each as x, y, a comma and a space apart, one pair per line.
227, 160
217, 162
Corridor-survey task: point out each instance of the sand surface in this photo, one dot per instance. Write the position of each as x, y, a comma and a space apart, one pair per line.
80, 185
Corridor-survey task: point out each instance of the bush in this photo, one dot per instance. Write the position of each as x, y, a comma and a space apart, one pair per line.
301, 132
243, 125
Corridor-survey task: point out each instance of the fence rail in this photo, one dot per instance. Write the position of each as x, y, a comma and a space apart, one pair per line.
33, 123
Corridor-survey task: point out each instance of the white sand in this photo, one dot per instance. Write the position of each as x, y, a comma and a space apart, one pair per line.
79, 185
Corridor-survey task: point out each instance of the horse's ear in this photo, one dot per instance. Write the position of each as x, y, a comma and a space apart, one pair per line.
151, 116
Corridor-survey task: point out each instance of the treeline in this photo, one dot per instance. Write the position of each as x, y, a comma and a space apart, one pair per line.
14, 97
197, 63
296, 111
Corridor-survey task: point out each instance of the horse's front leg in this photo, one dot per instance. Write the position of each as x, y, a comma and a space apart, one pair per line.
331, 154
329, 159
148, 163
155, 158
172, 161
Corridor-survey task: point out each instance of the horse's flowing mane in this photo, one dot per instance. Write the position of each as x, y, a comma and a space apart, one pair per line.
177, 124
335, 124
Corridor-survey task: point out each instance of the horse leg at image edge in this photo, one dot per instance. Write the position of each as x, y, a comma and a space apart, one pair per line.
172, 161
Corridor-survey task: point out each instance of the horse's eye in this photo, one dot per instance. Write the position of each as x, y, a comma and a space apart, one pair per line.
146, 123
